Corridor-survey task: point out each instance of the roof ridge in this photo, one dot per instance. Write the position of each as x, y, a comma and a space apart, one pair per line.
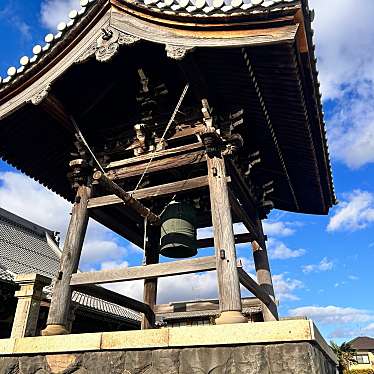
19, 221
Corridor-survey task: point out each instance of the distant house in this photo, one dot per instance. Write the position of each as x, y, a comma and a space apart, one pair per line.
365, 353
29, 248
202, 312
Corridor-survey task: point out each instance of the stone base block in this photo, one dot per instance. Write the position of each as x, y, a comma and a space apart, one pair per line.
287, 347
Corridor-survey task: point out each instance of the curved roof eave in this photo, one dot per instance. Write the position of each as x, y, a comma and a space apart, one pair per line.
173, 14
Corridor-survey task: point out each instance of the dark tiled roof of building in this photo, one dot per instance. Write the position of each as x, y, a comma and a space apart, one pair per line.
24, 249
5, 275
362, 343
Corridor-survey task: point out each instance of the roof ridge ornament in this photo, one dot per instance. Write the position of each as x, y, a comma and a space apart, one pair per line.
107, 44
177, 52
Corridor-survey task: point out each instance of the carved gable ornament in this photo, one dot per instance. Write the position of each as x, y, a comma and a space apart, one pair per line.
107, 45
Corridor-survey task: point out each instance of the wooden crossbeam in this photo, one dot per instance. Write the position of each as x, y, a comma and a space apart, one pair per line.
156, 155
139, 208
239, 238
145, 272
252, 286
150, 192
171, 162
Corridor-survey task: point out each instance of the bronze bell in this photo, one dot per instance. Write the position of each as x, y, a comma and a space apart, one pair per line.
178, 231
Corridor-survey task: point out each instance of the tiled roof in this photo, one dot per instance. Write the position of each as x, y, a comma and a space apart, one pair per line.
24, 249
23, 246
201, 8
196, 8
202, 313
6, 275
362, 343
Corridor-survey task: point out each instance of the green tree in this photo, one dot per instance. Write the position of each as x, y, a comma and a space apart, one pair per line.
345, 354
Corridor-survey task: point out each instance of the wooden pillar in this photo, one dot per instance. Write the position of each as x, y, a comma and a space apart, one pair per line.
28, 305
58, 317
264, 278
224, 243
150, 285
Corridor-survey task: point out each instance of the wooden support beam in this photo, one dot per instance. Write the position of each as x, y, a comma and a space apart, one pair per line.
57, 322
145, 272
224, 243
137, 207
115, 298
152, 255
269, 308
252, 286
168, 163
239, 238
151, 192
263, 273
57, 111
243, 216
155, 155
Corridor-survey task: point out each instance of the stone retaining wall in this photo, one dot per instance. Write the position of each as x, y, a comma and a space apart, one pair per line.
287, 358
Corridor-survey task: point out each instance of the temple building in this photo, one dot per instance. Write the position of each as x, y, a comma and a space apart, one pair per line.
161, 117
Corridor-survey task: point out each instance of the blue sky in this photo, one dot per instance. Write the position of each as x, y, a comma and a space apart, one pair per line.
322, 266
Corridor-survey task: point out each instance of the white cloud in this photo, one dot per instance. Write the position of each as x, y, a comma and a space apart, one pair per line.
284, 287
25, 197
104, 250
323, 265
278, 228
333, 314
345, 333
279, 250
353, 277
52, 12
9, 14
351, 127
346, 62
356, 213
344, 46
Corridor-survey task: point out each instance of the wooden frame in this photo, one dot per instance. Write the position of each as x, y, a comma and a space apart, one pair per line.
145, 272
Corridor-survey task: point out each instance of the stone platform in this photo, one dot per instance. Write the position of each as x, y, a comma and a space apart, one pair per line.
285, 347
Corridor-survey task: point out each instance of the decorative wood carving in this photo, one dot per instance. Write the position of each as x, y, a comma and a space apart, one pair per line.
40, 95
107, 44
177, 52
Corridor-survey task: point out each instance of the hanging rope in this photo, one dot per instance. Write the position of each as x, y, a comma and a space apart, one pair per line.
171, 120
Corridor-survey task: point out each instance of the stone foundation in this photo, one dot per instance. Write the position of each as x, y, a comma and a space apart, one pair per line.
227, 349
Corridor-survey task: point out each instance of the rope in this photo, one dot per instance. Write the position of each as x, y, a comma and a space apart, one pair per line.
86, 144
171, 120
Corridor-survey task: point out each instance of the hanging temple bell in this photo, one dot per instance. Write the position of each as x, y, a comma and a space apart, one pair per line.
178, 230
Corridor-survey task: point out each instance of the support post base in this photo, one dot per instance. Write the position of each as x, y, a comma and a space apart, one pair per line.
230, 317
55, 330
